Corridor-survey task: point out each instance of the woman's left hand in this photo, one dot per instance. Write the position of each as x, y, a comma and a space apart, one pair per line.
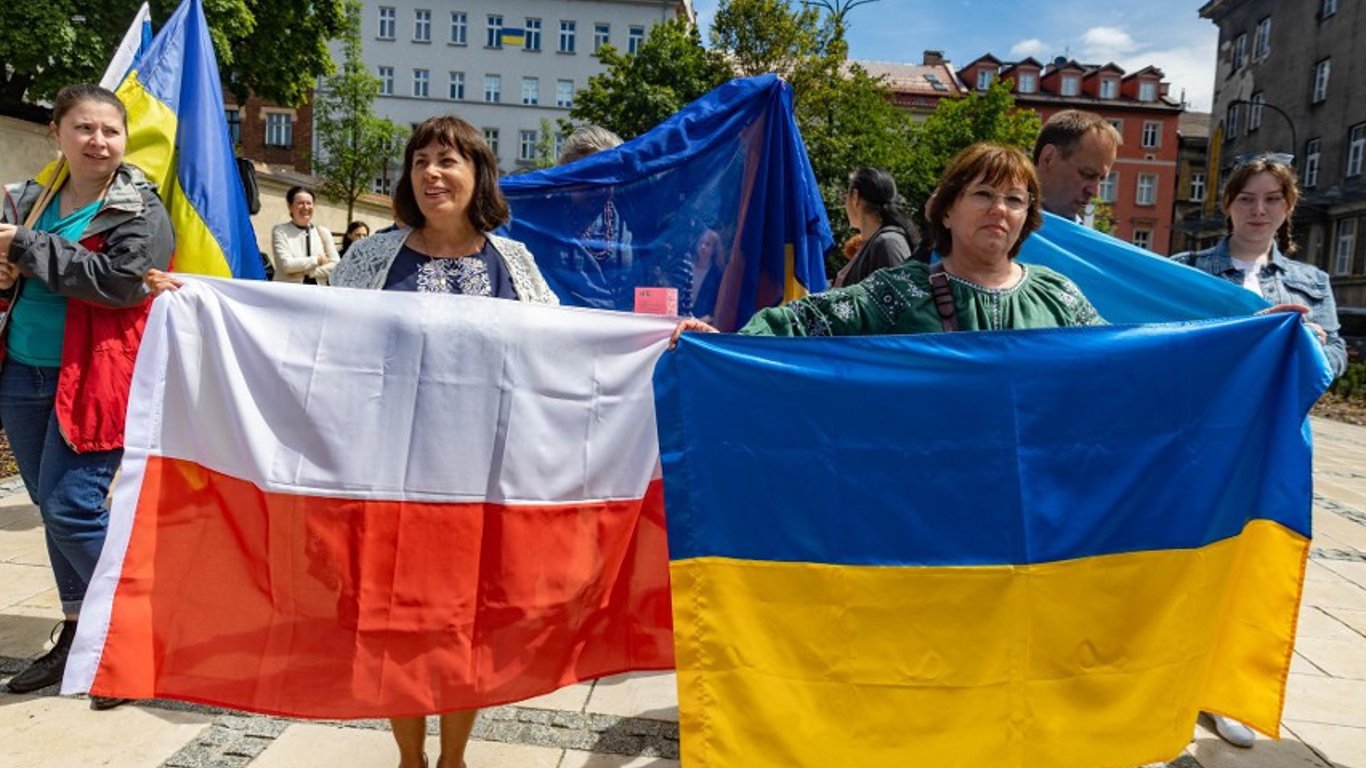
1303, 312
6, 240
159, 282
1318, 331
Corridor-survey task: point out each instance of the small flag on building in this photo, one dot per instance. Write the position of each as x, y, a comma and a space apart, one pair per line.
512, 38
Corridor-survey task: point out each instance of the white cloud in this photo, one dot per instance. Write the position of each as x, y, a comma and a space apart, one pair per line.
1190, 68
1106, 43
1031, 47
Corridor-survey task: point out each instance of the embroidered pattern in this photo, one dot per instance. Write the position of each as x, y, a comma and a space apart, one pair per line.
468, 276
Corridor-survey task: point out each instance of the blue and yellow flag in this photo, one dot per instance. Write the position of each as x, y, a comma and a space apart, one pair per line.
1034, 548
719, 202
511, 37
178, 136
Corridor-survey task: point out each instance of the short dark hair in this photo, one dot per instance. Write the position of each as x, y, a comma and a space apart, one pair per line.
488, 208
877, 189
296, 191
71, 95
995, 163
1065, 130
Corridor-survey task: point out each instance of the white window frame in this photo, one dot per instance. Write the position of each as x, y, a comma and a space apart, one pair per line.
1344, 246
456, 90
388, 23
1145, 192
1254, 112
1071, 85
279, 129
386, 80
568, 31
564, 94
533, 35
1152, 134
602, 35
422, 83
1233, 120
1027, 82
493, 89
460, 28
1143, 238
1261, 47
1239, 52
422, 25
985, 78
531, 91
1312, 152
1323, 69
491, 139
1147, 91
1356, 150
526, 145
635, 37
1109, 187
493, 31
1109, 88
1197, 185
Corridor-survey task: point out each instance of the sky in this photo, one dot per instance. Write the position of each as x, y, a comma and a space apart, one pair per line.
1168, 34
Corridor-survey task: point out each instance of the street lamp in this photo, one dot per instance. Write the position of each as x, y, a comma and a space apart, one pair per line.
1294, 142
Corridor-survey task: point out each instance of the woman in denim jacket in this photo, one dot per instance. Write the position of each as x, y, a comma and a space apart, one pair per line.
1259, 200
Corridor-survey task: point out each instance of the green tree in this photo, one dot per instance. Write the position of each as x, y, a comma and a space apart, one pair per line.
275, 49
1103, 219
638, 91
355, 144
763, 36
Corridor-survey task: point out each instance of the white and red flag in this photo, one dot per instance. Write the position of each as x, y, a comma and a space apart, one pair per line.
341, 503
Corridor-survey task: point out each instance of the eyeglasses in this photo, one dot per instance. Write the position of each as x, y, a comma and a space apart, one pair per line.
1280, 158
983, 199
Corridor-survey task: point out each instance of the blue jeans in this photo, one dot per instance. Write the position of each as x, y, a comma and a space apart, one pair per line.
70, 488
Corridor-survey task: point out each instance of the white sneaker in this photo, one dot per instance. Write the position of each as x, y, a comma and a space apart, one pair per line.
1233, 732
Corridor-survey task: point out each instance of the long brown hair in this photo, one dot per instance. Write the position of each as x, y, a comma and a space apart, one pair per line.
1290, 189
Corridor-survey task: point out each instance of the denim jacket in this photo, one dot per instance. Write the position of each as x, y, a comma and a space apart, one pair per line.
1284, 281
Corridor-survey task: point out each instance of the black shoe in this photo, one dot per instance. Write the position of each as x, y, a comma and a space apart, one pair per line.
101, 703
46, 669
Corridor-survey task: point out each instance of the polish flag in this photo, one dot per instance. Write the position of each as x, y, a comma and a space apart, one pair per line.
342, 504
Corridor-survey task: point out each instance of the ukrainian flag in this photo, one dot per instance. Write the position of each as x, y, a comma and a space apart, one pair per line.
1038, 548
178, 136
512, 38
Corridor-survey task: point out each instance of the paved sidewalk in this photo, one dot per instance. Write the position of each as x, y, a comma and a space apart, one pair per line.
630, 721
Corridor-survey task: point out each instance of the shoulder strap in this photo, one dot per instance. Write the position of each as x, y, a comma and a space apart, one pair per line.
943, 297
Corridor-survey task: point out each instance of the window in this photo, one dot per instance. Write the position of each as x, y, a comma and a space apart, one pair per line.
1027, 82
1321, 72
1147, 189
457, 92
1143, 238
279, 129
1327, 8
494, 34
1342, 254
533, 35
234, 118
1239, 52
526, 145
1311, 163
460, 28
602, 35
491, 139
422, 26
1261, 48
1254, 112
1197, 185
1071, 85
1356, 149
634, 39
1117, 123
1108, 185
1109, 88
984, 78
1147, 91
567, 36
559, 144
386, 81
1231, 123
382, 185
1152, 134
422, 79
388, 21
493, 88
531, 90
564, 93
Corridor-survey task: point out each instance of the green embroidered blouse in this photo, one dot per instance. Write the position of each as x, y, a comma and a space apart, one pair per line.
899, 300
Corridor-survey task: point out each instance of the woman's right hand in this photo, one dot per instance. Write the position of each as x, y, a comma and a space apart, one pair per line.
9, 274
689, 324
159, 282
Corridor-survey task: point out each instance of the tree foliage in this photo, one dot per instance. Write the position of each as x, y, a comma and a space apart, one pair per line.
275, 49
638, 91
355, 144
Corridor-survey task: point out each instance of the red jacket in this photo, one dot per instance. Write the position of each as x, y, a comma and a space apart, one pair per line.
107, 304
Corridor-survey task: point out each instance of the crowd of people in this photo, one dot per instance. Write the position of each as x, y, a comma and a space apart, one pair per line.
81, 260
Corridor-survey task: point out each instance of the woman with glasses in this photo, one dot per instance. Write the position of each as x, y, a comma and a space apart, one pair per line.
986, 204
1259, 201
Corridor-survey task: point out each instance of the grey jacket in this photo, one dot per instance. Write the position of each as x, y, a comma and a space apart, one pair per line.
1284, 281
367, 263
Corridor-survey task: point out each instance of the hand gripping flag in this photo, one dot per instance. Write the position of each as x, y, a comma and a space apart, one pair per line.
1027, 549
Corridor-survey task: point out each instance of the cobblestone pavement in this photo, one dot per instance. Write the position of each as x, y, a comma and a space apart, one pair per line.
630, 721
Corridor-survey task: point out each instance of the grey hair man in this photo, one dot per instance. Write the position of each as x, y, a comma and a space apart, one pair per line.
1073, 154
585, 141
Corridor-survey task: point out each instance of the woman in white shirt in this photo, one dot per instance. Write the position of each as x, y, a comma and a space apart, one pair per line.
302, 251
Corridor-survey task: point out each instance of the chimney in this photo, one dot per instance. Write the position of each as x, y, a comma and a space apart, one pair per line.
933, 57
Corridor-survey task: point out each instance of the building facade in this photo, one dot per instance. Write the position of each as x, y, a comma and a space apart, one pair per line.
917, 88
280, 137
509, 67
1141, 187
1289, 78
1192, 228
